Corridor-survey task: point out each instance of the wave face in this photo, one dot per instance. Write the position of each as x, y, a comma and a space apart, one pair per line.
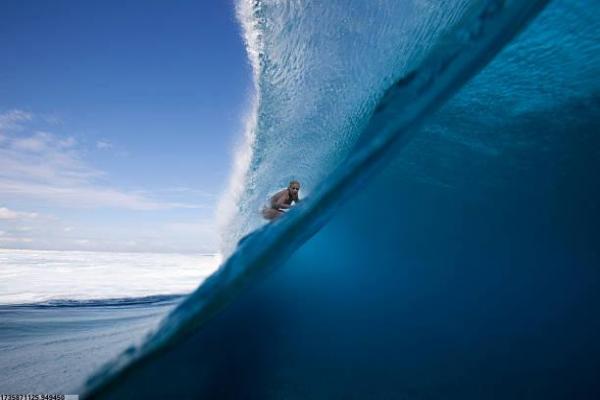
320, 69
466, 267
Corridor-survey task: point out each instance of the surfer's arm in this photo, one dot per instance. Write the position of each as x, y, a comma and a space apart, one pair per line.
280, 203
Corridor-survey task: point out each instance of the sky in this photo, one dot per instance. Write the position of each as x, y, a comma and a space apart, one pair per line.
118, 122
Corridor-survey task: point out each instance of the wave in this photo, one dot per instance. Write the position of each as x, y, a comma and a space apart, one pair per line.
345, 301
316, 87
111, 302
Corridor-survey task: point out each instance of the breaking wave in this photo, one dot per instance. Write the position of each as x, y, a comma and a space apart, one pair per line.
450, 269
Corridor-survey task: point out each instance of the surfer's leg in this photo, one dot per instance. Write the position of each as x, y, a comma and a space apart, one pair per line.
270, 213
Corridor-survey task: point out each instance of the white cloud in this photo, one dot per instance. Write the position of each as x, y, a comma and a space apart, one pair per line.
43, 165
64, 232
52, 119
14, 240
45, 171
103, 145
19, 228
42, 141
82, 196
11, 120
187, 191
6, 214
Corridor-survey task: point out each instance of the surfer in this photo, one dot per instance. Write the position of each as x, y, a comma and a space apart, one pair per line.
282, 201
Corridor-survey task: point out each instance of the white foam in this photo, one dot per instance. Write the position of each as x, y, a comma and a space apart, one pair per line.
227, 208
31, 276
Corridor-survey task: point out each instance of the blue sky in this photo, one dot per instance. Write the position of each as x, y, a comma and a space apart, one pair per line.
118, 121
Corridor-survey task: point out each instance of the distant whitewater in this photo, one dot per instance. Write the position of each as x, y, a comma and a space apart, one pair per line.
81, 277
447, 243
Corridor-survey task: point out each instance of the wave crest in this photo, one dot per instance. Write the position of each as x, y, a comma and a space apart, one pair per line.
319, 70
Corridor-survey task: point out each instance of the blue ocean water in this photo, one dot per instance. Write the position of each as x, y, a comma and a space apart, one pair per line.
53, 346
447, 246
63, 314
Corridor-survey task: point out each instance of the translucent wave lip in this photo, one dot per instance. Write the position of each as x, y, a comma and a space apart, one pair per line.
407, 103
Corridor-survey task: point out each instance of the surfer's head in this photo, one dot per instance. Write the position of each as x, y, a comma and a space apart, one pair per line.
294, 188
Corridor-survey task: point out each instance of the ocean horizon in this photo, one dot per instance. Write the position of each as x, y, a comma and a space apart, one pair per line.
63, 314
